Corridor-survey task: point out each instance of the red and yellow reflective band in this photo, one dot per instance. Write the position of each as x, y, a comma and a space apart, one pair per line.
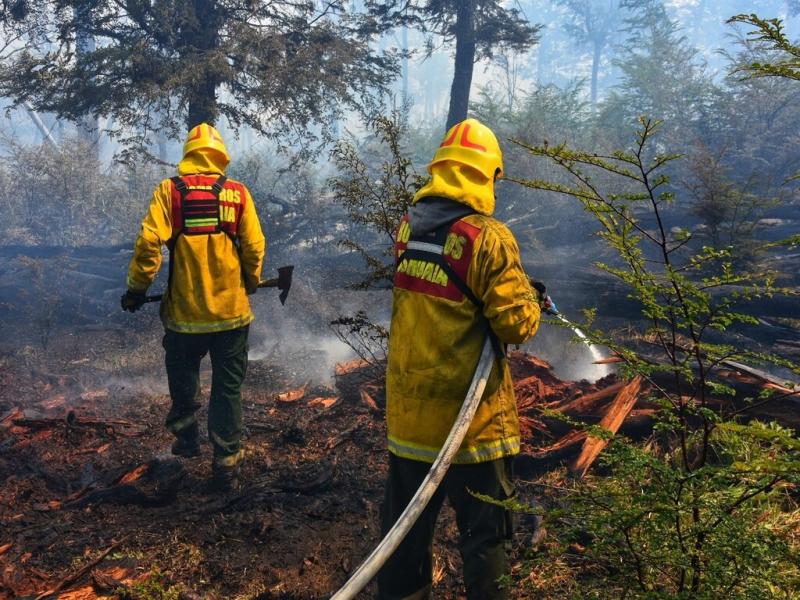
426, 277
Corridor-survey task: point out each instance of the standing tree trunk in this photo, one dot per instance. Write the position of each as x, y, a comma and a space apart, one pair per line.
464, 63
88, 129
596, 57
405, 67
200, 42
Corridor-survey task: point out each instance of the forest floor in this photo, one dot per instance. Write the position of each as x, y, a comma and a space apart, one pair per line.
93, 505
85, 465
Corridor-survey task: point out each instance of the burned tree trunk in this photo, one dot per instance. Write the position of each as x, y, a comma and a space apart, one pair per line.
464, 63
200, 41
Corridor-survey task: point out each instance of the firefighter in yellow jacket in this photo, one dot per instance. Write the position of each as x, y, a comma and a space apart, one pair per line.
210, 226
458, 279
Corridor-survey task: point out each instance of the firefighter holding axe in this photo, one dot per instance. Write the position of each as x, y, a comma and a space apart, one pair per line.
210, 226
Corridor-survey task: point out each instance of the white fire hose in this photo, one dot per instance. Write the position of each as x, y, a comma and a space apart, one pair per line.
370, 567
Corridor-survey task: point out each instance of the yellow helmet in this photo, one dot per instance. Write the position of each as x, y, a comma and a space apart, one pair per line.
205, 136
473, 144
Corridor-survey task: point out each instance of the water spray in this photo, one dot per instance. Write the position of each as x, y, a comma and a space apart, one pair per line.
592, 347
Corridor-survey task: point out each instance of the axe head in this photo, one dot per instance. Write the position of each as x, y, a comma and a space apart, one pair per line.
284, 282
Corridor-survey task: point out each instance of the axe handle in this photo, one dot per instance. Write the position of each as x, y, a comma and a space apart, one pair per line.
262, 284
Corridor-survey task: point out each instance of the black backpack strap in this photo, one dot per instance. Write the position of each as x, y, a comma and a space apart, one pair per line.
180, 185
218, 185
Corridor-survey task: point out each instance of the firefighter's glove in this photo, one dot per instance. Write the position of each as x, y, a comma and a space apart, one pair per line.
132, 301
540, 288
545, 301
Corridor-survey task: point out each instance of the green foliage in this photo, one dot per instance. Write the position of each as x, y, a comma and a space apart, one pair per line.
649, 529
376, 196
661, 72
729, 211
285, 69
155, 587
771, 34
545, 111
496, 26
706, 509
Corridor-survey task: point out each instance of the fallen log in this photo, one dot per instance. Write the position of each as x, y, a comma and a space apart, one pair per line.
588, 402
612, 420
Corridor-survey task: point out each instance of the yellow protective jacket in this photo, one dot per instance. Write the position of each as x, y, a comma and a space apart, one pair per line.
436, 333
210, 276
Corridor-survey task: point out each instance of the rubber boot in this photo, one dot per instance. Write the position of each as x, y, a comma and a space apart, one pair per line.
187, 442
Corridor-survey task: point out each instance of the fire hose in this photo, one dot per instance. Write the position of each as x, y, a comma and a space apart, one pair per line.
372, 564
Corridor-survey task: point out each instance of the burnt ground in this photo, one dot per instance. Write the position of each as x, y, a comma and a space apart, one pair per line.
92, 504
84, 463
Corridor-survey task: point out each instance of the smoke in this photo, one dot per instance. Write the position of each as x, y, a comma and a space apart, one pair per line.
298, 336
571, 357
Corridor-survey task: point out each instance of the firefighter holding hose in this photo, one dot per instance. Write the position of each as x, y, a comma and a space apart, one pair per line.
210, 225
459, 279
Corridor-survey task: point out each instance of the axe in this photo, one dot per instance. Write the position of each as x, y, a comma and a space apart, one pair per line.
283, 282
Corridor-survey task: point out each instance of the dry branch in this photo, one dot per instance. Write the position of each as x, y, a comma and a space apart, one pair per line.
80, 572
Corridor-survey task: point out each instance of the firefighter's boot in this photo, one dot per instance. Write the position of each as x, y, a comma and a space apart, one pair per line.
224, 478
187, 442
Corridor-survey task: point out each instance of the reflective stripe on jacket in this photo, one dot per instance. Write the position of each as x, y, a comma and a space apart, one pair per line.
436, 337
210, 275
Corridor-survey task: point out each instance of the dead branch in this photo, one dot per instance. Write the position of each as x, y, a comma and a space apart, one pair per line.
69, 579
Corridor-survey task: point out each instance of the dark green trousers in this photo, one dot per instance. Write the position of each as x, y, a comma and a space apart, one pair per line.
484, 529
228, 351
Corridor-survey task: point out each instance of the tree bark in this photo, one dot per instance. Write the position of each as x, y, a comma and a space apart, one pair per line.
201, 39
464, 62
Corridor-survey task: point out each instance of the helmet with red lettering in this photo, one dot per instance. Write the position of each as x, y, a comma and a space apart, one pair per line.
471, 143
205, 136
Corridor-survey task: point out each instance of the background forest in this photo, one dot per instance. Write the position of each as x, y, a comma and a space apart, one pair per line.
652, 158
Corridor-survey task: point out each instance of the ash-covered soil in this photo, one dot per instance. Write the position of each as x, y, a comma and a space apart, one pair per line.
93, 505
85, 465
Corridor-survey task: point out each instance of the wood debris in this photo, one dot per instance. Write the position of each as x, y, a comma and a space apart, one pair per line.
324, 402
69, 579
608, 361
612, 420
293, 395
588, 402
368, 400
